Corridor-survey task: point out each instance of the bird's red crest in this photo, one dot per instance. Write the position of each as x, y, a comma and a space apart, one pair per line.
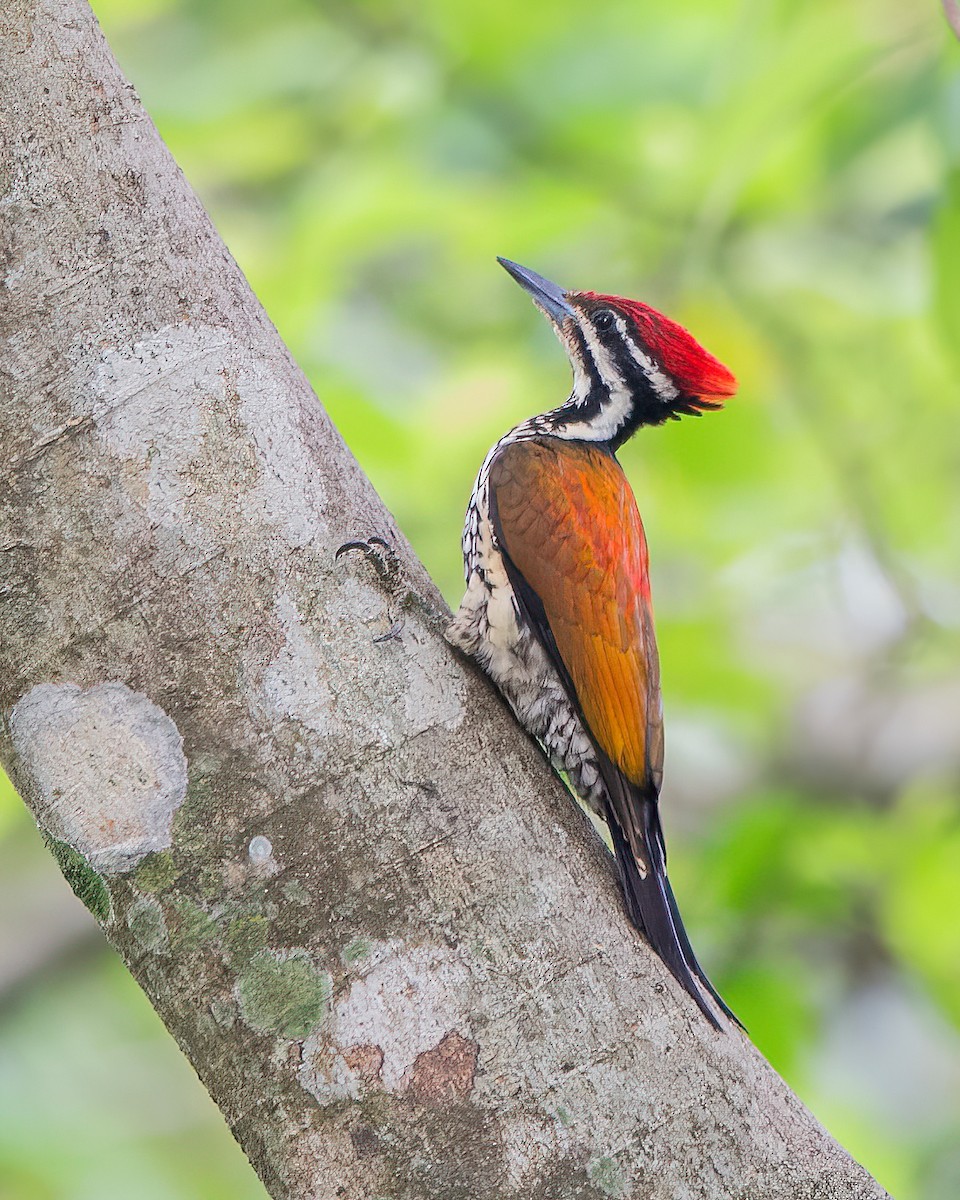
694, 369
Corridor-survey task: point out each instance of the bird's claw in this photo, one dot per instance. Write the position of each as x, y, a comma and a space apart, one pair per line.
385, 561
366, 547
377, 551
393, 633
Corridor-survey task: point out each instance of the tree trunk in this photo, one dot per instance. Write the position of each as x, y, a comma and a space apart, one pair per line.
368, 913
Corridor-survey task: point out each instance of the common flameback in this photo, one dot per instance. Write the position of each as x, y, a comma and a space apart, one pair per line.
557, 607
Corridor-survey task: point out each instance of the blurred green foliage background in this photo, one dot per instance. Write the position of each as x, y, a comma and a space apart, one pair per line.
783, 178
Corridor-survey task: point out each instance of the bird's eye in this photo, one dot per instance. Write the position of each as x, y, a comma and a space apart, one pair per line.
604, 319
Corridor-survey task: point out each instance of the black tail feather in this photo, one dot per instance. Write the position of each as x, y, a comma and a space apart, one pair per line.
652, 907
691, 958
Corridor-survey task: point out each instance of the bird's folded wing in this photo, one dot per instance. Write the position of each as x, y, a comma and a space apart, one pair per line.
568, 522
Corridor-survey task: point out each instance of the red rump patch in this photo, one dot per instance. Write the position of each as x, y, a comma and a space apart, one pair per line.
695, 371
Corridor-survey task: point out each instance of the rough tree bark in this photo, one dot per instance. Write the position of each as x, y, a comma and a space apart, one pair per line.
372, 919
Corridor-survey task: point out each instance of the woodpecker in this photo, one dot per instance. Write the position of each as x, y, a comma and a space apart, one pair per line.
557, 607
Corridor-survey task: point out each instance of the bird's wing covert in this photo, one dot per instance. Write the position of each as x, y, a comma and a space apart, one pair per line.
567, 519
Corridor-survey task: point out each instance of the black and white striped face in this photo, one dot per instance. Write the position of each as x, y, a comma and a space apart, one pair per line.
618, 384
632, 366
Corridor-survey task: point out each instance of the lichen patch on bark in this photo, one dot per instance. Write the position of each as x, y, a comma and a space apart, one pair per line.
156, 400
412, 684
404, 1002
87, 884
283, 993
106, 767
445, 1073
280, 426
147, 410
607, 1176
148, 926
364, 1061
434, 693
294, 682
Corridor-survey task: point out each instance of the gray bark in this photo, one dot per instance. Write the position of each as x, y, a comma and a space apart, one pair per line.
371, 917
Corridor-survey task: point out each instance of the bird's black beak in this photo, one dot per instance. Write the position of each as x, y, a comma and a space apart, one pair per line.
546, 295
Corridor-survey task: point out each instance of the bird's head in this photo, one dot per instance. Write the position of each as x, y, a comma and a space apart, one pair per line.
632, 366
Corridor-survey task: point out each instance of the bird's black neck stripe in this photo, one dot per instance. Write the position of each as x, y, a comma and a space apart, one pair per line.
607, 409
590, 393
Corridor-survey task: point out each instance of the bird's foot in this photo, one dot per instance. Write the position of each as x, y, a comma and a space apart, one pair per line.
403, 597
380, 554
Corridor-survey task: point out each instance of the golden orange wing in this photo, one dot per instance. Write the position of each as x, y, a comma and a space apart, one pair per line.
568, 520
